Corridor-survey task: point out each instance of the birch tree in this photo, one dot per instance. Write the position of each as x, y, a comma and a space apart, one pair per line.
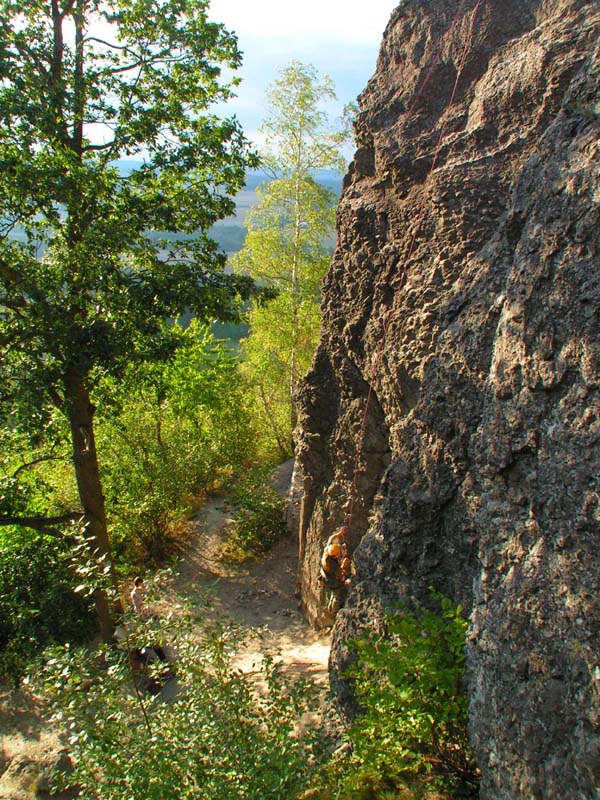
289, 239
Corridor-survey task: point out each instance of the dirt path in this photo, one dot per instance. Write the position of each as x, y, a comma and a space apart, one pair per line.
257, 595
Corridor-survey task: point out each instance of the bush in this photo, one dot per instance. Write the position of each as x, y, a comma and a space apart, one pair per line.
409, 684
155, 464
258, 521
227, 735
176, 431
38, 606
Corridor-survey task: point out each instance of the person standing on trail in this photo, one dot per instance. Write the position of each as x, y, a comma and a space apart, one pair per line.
137, 598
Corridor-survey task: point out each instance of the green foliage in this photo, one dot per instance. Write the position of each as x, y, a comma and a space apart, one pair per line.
31, 472
409, 684
38, 605
168, 433
258, 520
290, 224
267, 358
152, 464
288, 244
85, 289
299, 137
227, 736
91, 286
182, 428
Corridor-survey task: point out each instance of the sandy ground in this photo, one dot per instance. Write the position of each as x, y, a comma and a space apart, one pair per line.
257, 595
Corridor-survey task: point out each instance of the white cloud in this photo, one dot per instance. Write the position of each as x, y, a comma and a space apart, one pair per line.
351, 21
340, 38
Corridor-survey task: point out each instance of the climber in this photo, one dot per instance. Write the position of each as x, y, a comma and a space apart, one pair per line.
339, 537
337, 544
334, 570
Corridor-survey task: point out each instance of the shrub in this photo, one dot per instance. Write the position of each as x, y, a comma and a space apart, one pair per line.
409, 684
155, 463
258, 521
227, 735
38, 606
175, 431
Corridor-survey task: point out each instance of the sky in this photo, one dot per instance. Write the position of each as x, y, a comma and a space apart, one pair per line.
341, 38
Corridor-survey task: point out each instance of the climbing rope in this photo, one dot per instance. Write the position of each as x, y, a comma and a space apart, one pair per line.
390, 313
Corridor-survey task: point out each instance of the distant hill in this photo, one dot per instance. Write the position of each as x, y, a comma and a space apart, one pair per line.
229, 233
247, 197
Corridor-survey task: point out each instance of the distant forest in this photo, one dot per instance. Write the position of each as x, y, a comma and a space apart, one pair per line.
230, 233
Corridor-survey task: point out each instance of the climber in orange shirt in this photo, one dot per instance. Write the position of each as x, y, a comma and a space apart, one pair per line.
335, 567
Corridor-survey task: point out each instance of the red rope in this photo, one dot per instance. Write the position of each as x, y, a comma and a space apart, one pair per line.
437, 58
417, 227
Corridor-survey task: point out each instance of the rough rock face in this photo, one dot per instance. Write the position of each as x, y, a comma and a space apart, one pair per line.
465, 294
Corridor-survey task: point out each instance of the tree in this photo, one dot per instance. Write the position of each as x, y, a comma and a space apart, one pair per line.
84, 288
290, 232
283, 332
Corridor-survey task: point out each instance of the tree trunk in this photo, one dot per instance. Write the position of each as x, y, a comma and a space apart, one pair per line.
284, 452
81, 414
295, 299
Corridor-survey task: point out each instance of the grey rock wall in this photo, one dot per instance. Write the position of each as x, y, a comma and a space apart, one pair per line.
479, 472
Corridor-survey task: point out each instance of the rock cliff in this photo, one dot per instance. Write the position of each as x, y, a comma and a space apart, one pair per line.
464, 302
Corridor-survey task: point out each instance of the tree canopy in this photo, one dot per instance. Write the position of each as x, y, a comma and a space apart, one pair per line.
84, 288
83, 285
299, 138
